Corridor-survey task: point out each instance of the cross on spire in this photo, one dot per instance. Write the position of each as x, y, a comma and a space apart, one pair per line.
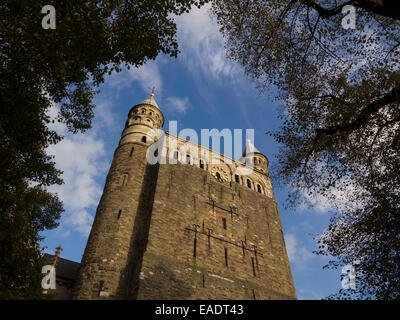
153, 90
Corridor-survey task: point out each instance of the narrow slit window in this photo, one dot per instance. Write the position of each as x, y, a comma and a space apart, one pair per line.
124, 180
224, 223
258, 188
226, 257
101, 285
119, 214
254, 269
131, 153
237, 178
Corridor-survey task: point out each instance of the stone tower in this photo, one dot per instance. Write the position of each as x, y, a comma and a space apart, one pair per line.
188, 228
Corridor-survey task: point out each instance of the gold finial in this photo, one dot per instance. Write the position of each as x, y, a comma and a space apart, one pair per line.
153, 90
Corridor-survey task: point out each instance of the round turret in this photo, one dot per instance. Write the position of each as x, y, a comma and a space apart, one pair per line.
142, 118
251, 156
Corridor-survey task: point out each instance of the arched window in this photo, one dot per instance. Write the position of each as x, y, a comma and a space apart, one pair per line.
249, 183
144, 139
218, 175
237, 178
258, 188
143, 110
201, 164
187, 159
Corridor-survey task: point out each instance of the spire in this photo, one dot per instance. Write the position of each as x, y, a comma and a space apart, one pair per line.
250, 148
150, 100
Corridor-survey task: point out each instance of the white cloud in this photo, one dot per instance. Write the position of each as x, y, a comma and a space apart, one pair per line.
298, 255
81, 220
202, 45
147, 75
180, 105
337, 199
81, 158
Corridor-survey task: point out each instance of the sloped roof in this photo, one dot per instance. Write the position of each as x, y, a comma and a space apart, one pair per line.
150, 100
250, 148
65, 269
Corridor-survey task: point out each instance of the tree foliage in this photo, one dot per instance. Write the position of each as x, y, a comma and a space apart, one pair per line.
340, 129
39, 67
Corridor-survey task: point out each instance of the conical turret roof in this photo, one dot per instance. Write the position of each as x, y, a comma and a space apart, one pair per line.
250, 148
150, 100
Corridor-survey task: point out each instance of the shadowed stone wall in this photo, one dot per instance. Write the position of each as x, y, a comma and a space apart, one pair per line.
176, 232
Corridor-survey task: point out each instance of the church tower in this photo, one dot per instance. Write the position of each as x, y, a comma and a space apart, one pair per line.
116, 237
188, 229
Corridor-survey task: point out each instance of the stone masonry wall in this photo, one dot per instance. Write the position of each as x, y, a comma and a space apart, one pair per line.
190, 255
176, 232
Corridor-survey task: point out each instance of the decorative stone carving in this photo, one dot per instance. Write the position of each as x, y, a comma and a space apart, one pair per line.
220, 173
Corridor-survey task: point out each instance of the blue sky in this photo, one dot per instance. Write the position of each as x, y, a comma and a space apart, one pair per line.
199, 89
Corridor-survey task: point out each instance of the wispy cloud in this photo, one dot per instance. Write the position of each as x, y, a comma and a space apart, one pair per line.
342, 199
202, 45
148, 75
179, 105
81, 158
298, 255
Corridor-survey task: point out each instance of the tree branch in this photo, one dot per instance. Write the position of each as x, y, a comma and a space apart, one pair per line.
386, 8
324, 12
362, 118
